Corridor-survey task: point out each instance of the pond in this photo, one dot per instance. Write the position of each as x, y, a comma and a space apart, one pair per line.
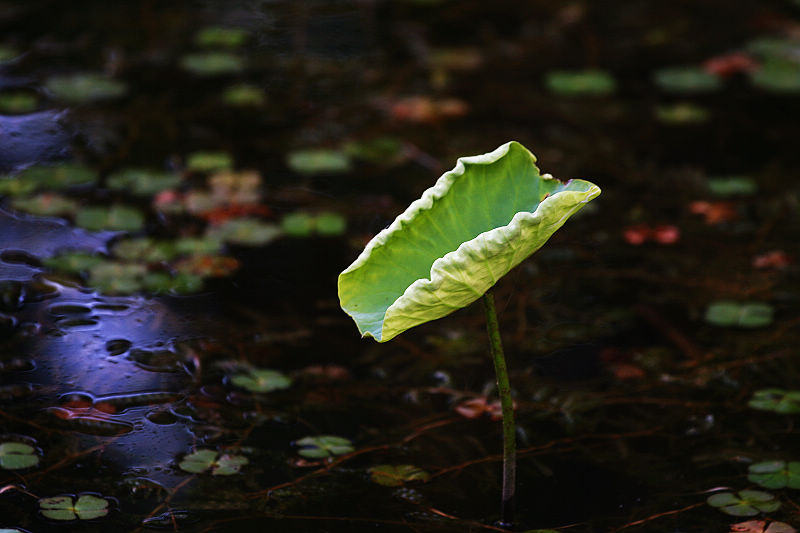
183, 182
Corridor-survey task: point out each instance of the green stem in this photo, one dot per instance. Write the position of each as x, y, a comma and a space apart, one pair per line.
507, 404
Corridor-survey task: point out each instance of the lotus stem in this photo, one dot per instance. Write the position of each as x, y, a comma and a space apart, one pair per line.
507, 404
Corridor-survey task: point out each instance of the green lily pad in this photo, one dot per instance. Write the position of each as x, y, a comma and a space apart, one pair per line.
245, 232
380, 150
83, 507
83, 88
319, 161
216, 463
213, 63
47, 177
114, 218
682, 113
244, 95
17, 455
397, 475
217, 36
775, 474
732, 186
324, 446
45, 204
739, 314
777, 400
775, 48
73, 262
142, 182
18, 102
261, 380
207, 266
145, 249
302, 224
209, 161
478, 222
686, 80
744, 503
7, 53
778, 76
580, 82
197, 245
111, 277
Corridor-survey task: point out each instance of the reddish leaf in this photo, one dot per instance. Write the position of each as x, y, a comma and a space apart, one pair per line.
477, 407
666, 234
636, 235
776, 259
714, 212
727, 65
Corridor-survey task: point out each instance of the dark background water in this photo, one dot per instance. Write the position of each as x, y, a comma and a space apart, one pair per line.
631, 405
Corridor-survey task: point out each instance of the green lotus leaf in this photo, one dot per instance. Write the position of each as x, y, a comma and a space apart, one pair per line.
682, 113
73, 262
323, 446
580, 82
245, 232
744, 503
143, 182
217, 36
18, 102
209, 161
397, 475
472, 227
261, 380
209, 460
686, 80
45, 204
775, 474
778, 400
7, 53
114, 218
732, 186
85, 507
82, 88
319, 161
17, 455
212, 63
244, 95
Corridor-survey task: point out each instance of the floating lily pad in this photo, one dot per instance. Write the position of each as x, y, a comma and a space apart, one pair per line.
180, 283
397, 475
74, 262
301, 224
143, 182
18, 102
775, 48
245, 232
111, 277
213, 63
682, 113
209, 161
686, 80
261, 380
197, 245
323, 446
739, 314
144, 249
207, 266
17, 455
775, 474
744, 503
45, 204
244, 95
81, 507
777, 76
380, 150
777, 400
83, 88
7, 53
319, 161
218, 36
732, 186
114, 218
216, 463
580, 82
47, 177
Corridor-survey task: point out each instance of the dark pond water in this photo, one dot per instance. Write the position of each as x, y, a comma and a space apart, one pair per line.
652, 343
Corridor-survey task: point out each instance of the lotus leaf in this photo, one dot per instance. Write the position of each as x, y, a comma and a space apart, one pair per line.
73, 262
142, 182
222, 37
319, 161
217, 464
82, 88
17, 455
324, 446
144, 249
686, 80
741, 314
778, 400
732, 186
744, 503
775, 474
84, 507
302, 224
261, 380
117, 278
778, 75
114, 218
682, 113
449, 247
381, 150
397, 475
580, 82
207, 265
45, 204
14, 102
213, 63
48, 177
774, 47
244, 95
245, 231
209, 161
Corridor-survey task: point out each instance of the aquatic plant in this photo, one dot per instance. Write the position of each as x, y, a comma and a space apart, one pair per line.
775, 474
84, 506
397, 475
17, 455
744, 503
324, 446
450, 247
213, 462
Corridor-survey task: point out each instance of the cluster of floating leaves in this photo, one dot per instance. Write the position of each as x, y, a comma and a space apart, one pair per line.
776, 400
744, 503
213, 462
